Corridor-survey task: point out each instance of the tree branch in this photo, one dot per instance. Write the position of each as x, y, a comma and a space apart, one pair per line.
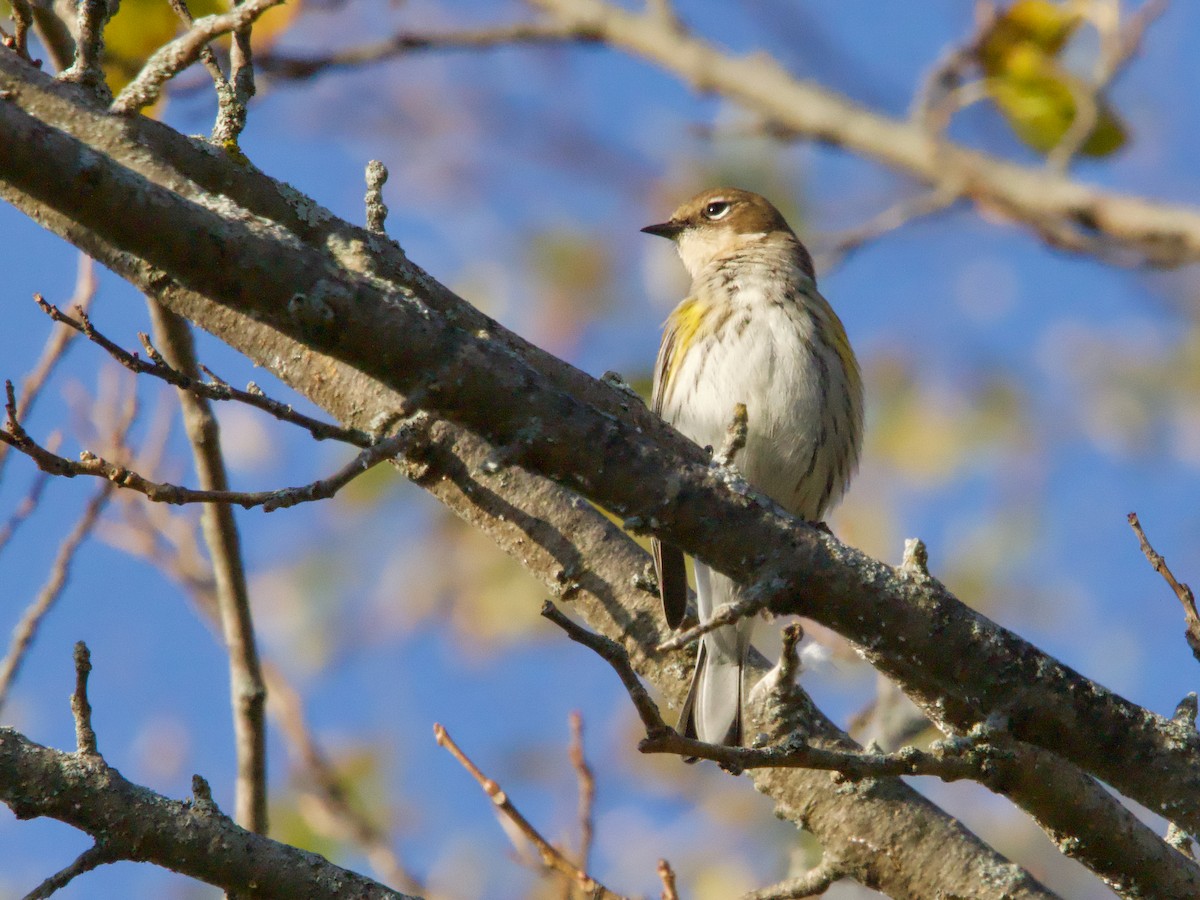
139, 825
60, 571
246, 686
552, 858
216, 389
1062, 211
14, 435
294, 66
1186, 598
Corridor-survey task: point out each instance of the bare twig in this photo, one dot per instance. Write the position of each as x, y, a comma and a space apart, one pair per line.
55, 347
735, 437
176, 56
247, 689
753, 600
216, 389
27, 505
328, 787
782, 678
618, 658
551, 857
296, 67
891, 219
163, 492
81, 709
377, 175
89, 45
26, 629
209, 59
94, 856
587, 790
667, 875
1186, 598
231, 118
22, 16
950, 760
810, 884
935, 102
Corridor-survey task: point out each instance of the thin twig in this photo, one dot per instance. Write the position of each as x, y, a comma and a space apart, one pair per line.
164, 492
377, 176
94, 856
810, 884
328, 787
89, 46
81, 709
55, 347
950, 760
618, 658
735, 437
896, 216
216, 389
667, 875
247, 689
297, 67
753, 600
587, 790
27, 505
1186, 598
552, 858
1117, 47
931, 108
207, 56
26, 630
22, 16
231, 117
170, 60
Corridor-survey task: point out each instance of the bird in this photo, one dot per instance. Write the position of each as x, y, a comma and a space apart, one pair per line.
753, 329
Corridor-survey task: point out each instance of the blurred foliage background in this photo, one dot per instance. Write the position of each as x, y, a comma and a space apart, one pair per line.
1020, 402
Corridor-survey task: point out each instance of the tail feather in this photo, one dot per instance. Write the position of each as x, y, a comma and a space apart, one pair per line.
713, 710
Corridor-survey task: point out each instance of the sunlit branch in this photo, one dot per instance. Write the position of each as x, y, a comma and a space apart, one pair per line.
191, 837
404, 441
216, 389
282, 65
552, 858
1186, 597
248, 692
170, 60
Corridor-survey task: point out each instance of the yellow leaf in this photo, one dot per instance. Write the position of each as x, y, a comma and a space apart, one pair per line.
1037, 24
141, 27
1040, 104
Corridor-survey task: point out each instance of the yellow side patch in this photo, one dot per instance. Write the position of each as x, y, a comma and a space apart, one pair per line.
682, 325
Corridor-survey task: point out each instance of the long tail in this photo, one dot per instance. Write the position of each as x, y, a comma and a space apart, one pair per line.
713, 710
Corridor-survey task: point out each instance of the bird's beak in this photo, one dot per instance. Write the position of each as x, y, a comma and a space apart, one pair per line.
669, 229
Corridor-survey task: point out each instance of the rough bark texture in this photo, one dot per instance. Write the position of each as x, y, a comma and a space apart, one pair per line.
193, 838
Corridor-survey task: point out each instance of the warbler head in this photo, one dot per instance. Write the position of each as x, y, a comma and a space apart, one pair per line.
723, 221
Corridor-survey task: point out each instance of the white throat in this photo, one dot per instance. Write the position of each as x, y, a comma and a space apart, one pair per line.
698, 247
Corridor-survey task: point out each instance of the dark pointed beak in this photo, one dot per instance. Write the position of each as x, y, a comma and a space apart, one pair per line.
669, 230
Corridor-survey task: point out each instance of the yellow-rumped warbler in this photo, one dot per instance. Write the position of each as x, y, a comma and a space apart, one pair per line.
753, 330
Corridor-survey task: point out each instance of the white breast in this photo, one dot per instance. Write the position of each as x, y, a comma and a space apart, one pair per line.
767, 356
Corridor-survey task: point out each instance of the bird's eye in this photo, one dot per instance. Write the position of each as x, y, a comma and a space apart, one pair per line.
718, 209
